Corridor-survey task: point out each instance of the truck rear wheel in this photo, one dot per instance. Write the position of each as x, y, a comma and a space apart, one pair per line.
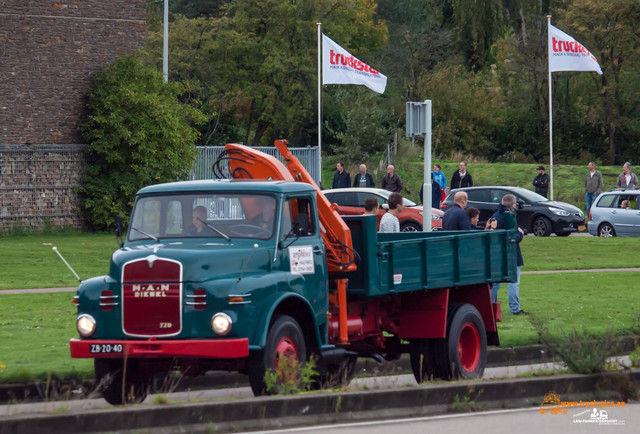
285, 338
338, 374
109, 376
421, 354
463, 354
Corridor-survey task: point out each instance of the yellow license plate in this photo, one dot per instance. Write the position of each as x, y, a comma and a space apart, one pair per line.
582, 228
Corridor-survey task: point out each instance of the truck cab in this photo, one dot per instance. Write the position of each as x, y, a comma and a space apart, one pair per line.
204, 269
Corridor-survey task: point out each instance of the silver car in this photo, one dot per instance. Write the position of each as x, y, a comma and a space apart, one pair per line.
610, 219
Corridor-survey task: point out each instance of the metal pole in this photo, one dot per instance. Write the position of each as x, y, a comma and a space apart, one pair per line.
319, 103
165, 43
427, 192
550, 114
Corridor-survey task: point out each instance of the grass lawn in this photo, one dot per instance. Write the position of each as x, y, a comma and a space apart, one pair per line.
35, 328
29, 262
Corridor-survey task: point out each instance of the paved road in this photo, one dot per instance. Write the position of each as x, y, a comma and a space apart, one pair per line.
517, 421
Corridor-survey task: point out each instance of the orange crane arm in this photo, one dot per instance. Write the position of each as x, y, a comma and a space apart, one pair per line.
249, 163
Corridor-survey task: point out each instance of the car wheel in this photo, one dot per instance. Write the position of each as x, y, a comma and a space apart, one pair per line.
606, 230
410, 227
541, 227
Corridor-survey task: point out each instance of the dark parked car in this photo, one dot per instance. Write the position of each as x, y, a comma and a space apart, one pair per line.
351, 202
537, 214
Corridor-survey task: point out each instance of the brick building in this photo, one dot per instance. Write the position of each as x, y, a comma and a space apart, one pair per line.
50, 54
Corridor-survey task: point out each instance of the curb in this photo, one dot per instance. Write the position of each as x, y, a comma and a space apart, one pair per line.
288, 411
43, 391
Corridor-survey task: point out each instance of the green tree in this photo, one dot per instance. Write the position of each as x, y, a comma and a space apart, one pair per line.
138, 134
610, 30
257, 62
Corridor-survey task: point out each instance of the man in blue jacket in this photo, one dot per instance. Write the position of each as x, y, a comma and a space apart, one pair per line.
513, 288
455, 218
341, 179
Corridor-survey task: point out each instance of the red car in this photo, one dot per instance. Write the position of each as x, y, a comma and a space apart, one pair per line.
351, 202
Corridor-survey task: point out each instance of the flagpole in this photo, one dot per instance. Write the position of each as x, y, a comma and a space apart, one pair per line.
550, 111
319, 104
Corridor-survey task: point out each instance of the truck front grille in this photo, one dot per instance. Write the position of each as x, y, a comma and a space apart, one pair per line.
152, 297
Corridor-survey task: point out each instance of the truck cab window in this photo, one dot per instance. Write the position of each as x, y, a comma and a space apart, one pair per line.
297, 213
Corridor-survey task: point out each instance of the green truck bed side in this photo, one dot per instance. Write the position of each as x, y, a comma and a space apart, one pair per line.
410, 261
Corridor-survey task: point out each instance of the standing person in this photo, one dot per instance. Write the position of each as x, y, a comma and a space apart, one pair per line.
627, 180
363, 179
389, 221
513, 288
341, 179
455, 218
371, 206
391, 181
439, 177
436, 193
592, 185
541, 182
461, 178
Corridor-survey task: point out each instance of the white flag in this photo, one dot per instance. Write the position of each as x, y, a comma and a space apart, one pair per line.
340, 67
567, 54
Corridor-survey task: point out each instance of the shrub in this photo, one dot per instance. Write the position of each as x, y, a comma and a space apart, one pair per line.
290, 377
139, 134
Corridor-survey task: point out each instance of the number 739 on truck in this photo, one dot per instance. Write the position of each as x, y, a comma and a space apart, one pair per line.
235, 274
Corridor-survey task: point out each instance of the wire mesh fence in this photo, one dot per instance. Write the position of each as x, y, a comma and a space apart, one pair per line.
38, 184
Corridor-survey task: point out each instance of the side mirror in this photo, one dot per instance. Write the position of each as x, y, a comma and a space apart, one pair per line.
384, 206
119, 230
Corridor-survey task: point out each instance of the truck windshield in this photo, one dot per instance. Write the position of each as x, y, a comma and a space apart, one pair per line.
203, 215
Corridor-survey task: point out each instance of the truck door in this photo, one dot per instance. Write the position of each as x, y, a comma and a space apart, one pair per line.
302, 251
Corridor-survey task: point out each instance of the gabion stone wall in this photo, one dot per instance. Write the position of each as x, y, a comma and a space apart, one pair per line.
37, 186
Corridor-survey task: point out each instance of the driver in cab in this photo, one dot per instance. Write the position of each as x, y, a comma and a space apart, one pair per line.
267, 213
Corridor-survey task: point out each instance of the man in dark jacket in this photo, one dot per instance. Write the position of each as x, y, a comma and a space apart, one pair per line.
455, 218
363, 179
341, 179
391, 181
509, 204
541, 182
461, 178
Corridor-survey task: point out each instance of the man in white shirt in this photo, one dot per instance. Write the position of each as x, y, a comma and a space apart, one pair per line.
389, 221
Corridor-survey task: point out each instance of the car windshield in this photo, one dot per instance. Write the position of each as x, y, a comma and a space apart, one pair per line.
220, 215
530, 195
405, 202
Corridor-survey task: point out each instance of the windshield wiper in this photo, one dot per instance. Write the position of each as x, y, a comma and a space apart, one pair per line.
214, 229
144, 233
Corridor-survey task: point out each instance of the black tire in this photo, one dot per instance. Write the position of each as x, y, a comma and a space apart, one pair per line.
541, 227
463, 353
109, 376
336, 375
410, 227
285, 337
421, 353
606, 230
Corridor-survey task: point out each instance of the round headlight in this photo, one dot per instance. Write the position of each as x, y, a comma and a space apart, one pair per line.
221, 323
86, 325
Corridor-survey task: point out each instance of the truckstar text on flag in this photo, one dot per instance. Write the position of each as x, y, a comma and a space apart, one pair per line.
340, 67
567, 54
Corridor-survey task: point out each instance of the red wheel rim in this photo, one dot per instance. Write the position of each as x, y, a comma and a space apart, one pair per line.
469, 347
287, 347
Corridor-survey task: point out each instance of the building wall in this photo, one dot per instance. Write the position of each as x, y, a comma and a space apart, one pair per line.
50, 54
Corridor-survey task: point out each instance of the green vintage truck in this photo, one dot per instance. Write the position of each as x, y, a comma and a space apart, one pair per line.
234, 274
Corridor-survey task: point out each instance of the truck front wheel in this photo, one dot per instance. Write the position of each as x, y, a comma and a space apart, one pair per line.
285, 339
463, 354
116, 391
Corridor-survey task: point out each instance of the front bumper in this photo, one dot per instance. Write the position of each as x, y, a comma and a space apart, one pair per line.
154, 348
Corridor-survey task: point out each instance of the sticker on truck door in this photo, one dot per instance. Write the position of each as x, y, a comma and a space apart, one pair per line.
301, 260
